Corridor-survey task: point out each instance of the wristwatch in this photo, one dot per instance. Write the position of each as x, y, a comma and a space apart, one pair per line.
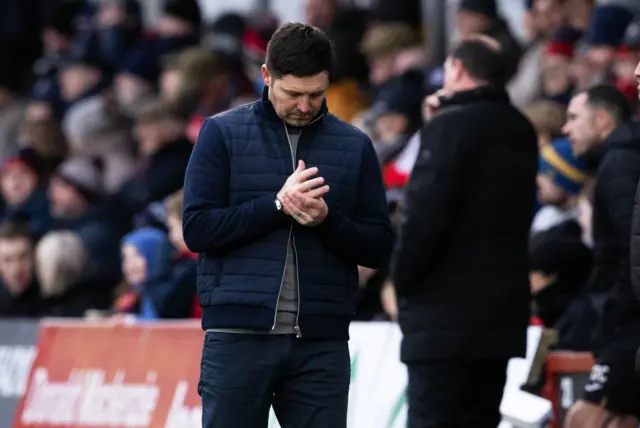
278, 204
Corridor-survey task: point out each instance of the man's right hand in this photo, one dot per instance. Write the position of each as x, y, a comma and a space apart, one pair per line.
431, 105
301, 181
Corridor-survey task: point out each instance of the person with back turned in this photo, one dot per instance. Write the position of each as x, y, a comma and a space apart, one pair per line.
282, 201
462, 265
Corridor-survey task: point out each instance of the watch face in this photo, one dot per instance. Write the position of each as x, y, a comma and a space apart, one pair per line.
278, 205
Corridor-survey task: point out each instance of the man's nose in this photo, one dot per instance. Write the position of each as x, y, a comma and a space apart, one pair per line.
304, 106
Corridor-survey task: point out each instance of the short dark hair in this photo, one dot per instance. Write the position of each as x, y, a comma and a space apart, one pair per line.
483, 59
15, 230
299, 49
610, 99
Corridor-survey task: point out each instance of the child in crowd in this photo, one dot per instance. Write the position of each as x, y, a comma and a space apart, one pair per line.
159, 270
560, 179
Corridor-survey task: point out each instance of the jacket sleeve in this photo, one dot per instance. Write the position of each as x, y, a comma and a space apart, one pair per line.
613, 213
367, 239
208, 222
635, 245
431, 204
619, 191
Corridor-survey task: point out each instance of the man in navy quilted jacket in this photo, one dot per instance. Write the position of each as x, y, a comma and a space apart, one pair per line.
282, 201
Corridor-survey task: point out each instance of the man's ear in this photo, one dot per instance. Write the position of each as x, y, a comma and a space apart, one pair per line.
457, 68
266, 76
603, 120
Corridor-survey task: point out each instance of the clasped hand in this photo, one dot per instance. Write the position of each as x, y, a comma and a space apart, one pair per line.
301, 196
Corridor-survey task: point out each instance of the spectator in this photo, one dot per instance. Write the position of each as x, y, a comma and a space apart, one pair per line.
560, 180
116, 28
397, 115
203, 84
541, 19
82, 75
627, 58
19, 290
135, 82
461, 270
598, 128
481, 16
165, 151
158, 285
45, 138
557, 84
78, 204
62, 267
606, 32
23, 191
560, 266
94, 128
146, 265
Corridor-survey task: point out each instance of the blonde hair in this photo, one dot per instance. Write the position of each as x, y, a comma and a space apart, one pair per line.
547, 117
61, 261
173, 204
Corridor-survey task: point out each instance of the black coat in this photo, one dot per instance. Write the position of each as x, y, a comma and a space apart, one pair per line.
461, 269
610, 282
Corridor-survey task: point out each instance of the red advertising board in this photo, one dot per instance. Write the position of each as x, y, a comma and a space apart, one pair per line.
89, 375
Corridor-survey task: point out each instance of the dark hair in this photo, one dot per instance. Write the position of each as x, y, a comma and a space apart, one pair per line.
299, 49
610, 99
482, 58
15, 230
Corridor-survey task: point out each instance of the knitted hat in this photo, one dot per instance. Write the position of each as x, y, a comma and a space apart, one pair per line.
560, 250
564, 169
27, 158
83, 53
631, 41
563, 42
142, 63
83, 174
609, 23
186, 10
487, 8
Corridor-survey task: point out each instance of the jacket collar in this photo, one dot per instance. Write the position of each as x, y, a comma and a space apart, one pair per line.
479, 94
266, 110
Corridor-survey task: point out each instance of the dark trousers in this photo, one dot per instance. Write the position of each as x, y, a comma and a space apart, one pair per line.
243, 375
456, 393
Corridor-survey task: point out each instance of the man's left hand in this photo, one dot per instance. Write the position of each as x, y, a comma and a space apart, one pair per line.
307, 211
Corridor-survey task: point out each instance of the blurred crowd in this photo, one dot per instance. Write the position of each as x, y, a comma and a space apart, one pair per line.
99, 113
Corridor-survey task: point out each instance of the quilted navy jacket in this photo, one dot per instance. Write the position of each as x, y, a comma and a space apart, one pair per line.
240, 161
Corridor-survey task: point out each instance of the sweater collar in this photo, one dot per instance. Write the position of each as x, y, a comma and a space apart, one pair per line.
266, 110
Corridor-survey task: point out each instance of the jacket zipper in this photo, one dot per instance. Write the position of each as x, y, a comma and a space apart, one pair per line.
292, 238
